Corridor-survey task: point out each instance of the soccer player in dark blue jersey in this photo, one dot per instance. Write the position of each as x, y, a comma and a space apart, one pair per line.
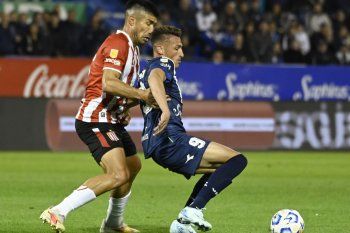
165, 139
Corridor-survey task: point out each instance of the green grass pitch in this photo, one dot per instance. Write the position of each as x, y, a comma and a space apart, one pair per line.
316, 184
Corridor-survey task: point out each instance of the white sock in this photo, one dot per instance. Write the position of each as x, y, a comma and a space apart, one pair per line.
115, 211
78, 198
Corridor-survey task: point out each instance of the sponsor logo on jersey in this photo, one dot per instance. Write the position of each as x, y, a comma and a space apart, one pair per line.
113, 61
112, 136
114, 53
166, 65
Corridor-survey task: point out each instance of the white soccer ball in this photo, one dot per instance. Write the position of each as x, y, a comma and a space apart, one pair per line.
287, 221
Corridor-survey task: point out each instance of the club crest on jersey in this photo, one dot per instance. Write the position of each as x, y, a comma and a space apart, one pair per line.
114, 53
112, 136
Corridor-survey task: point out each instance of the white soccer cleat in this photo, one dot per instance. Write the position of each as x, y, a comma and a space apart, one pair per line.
54, 219
194, 216
124, 228
177, 227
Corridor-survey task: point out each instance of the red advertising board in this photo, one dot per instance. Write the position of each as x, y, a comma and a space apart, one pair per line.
44, 77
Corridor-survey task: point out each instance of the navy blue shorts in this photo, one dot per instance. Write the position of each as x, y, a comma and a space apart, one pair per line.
181, 154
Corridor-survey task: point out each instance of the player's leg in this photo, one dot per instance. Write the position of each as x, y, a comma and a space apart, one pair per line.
200, 183
116, 174
183, 155
206, 168
113, 162
221, 164
229, 163
110, 155
198, 186
114, 221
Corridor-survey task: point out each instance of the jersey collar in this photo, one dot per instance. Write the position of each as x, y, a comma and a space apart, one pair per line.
127, 36
168, 59
171, 62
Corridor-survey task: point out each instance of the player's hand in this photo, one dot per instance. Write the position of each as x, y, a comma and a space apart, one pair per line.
149, 99
125, 120
163, 122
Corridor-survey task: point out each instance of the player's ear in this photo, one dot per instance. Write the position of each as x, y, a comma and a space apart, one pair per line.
159, 49
131, 21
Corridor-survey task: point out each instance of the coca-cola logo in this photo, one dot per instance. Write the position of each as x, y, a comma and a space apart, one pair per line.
43, 84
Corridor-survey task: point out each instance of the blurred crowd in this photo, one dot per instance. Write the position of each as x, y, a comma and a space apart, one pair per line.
240, 31
48, 34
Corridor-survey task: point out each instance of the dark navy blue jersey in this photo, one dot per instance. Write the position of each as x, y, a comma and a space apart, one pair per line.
151, 115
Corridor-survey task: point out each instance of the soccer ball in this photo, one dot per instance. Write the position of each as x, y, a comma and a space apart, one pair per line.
177, 227
287, 221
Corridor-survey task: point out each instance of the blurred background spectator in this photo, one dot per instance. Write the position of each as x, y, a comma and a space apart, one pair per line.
238, 31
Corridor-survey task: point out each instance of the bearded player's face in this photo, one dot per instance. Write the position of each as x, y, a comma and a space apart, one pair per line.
144, 27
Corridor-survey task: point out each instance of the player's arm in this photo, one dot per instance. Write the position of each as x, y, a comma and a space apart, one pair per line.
156, 83
112, 84
132, 103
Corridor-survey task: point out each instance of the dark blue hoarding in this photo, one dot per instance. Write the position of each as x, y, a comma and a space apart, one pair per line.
261, 82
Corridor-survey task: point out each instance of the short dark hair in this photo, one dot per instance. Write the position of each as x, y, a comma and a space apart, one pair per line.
145, 4
161, 32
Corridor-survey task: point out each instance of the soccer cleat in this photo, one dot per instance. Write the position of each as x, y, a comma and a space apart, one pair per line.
177, 227
194, 216
125, 228
53, 218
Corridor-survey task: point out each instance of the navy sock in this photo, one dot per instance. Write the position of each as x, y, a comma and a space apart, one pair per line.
199, 185
219, 180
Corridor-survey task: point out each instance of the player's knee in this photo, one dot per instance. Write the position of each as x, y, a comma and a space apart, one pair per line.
134, 171
118, 179
136, 168
123, 176
241, 160
244, 160
231, 154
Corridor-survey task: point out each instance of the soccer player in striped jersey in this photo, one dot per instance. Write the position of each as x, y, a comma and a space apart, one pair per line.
112, 88
165, 139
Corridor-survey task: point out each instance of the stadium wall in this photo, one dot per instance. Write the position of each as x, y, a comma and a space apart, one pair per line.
42, 124
22, 124
239, 125
65, 78
308, 107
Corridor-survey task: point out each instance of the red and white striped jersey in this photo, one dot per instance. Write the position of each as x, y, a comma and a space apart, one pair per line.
119, 54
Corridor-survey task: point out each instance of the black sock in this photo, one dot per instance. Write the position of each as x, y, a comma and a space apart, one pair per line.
219, 180
199, 185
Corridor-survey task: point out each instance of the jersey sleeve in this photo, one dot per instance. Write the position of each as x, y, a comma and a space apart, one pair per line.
167, 66
115, 53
